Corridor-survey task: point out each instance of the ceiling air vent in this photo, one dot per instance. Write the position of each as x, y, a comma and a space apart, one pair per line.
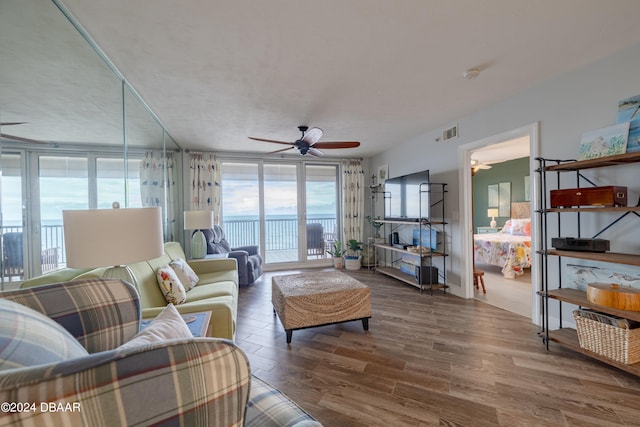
450, 133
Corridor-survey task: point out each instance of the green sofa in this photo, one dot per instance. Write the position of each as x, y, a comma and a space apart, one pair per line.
216, 291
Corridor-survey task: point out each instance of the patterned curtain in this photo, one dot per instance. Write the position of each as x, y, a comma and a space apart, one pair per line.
158, 179
353, 199
205, 183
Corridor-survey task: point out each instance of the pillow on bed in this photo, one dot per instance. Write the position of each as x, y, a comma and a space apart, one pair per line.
518, 227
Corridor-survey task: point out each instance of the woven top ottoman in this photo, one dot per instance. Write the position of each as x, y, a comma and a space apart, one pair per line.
319, 298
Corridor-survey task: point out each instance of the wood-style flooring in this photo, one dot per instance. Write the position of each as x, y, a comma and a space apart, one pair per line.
431, 360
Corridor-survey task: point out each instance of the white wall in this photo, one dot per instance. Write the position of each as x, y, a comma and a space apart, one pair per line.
565, 107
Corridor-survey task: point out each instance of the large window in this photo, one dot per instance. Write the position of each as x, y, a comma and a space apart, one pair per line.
110, 183
78, 181
265, 204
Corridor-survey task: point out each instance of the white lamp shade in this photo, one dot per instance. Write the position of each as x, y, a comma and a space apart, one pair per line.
492, 212
198, 220
108, 237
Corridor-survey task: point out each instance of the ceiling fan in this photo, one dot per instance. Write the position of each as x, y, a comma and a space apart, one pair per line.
18, 138
476, 166
308, 142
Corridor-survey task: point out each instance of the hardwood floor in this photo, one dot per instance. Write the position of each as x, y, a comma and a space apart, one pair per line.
431, 360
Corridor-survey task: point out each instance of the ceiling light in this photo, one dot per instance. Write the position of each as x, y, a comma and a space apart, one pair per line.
471, 73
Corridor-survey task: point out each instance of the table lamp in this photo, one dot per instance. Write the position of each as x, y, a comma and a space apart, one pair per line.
198, 220
492, 213
112, 237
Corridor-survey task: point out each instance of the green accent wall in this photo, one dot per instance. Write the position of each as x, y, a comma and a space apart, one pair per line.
512, 171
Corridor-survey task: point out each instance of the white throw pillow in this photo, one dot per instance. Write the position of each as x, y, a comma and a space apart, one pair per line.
518, 227
185, 273
170, 285
168, 325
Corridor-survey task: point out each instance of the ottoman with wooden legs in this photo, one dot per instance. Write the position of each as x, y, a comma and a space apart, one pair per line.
320, 298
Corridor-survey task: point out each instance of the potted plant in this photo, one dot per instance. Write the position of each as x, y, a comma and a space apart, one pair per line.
376, 224
352, 260
337, 251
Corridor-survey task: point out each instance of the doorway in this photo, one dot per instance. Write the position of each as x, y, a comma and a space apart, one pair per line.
488, 152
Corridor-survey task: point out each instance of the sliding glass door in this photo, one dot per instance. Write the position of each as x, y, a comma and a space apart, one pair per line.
241, 203
281, 212
14, 253
64, 184
289, 209
321, 197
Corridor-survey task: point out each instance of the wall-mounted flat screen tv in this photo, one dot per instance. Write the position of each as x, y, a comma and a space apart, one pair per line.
406, 198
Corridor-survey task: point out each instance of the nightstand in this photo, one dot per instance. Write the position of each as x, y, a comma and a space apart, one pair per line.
485, 230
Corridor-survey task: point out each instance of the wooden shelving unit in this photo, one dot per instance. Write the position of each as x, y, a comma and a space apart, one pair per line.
568, 337
573, 165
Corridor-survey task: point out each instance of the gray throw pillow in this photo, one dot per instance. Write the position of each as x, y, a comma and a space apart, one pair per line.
29, 338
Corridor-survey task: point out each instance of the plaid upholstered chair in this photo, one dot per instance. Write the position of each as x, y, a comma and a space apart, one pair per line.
61, 363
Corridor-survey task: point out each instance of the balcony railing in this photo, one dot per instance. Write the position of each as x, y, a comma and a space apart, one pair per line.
52, 254
281, 235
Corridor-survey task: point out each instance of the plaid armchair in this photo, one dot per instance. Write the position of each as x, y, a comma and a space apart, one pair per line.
196, 381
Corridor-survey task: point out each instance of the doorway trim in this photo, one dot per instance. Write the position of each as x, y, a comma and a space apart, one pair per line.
466, 226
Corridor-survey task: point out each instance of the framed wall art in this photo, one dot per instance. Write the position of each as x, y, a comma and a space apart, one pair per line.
629, 111
604, 142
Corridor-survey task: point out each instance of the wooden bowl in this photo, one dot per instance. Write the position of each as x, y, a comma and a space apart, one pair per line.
614, 296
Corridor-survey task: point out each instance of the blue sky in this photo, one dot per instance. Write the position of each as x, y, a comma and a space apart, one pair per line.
241, 198
57, 194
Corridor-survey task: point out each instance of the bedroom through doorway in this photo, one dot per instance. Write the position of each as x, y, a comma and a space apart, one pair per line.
501, 215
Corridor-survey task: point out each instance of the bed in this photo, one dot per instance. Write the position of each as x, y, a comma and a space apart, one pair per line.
510, 248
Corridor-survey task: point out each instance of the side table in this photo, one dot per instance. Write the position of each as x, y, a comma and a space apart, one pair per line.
211, 256
485, 230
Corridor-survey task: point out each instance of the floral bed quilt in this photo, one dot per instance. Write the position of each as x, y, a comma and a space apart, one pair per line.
512, 253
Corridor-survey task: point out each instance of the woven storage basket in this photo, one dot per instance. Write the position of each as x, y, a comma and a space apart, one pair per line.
602, 337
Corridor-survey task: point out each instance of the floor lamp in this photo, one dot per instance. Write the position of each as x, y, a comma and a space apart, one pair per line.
198, 221
112, 237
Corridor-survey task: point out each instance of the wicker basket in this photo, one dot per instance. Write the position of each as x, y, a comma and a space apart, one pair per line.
607, 336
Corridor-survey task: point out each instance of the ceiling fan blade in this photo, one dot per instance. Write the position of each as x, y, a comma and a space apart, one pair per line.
315, 152
12, 123
312, 136
22, 139
279, 151
337, 144
271, 140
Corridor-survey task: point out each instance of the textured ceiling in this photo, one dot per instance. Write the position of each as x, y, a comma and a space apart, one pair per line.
377, 71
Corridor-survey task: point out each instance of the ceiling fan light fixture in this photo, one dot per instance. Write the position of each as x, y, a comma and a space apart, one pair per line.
471, 73
476, 166
309, 142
